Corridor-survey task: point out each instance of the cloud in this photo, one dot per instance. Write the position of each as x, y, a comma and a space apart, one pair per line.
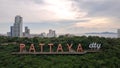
103, 15
67, 15
98, 23
36, 11
107, 8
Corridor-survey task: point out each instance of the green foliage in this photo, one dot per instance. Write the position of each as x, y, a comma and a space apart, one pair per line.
109, 57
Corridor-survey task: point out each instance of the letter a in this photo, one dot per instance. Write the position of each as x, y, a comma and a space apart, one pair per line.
32, 48
59, 48
22, 47
79, 49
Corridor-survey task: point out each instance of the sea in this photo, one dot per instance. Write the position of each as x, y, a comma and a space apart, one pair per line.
101, 35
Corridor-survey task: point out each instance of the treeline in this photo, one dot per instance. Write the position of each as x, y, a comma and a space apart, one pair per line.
109, 57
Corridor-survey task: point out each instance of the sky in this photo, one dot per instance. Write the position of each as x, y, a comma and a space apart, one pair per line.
64, 16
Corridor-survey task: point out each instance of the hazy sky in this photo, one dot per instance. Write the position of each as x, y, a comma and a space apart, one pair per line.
64, 16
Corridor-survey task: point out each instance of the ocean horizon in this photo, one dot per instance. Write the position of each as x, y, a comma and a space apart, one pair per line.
100, 35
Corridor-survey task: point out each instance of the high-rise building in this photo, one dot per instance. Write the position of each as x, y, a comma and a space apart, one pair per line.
51, 33
8, 34
27, 32
42, 35
12, 31
118, 32
16, 29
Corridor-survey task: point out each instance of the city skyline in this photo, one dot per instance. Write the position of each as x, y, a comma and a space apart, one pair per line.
17, 30
64, 16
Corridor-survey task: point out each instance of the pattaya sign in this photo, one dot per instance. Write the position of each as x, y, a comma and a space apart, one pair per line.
94, 47
59, 48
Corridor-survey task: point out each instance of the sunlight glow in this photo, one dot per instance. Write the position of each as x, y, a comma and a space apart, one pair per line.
63, 9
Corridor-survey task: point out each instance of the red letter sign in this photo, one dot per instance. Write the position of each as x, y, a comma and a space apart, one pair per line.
79, 49
41, 46
50, 47
32, 48
69, 47
22, 47
59, 48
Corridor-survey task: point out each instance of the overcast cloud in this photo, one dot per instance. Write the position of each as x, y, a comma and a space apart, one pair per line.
65, 16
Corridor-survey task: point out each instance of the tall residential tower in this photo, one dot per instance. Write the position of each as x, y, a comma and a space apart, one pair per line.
16, 29
51, 33
118, 32
27, 32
